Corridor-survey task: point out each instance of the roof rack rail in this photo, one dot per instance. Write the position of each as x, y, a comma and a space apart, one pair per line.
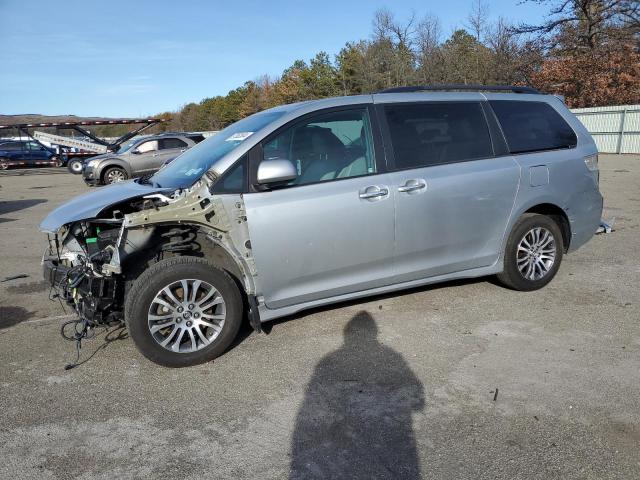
475, 88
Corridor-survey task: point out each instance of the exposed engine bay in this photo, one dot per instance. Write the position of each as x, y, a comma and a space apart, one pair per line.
91, 263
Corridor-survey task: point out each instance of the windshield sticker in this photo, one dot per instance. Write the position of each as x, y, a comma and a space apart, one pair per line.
239, 137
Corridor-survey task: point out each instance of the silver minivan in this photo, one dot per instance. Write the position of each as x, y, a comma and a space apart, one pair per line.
324, 201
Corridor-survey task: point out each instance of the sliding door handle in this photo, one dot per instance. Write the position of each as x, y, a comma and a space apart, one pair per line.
413, 185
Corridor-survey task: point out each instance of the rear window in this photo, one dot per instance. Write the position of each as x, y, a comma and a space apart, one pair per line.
424, 134
167, 143
532, 126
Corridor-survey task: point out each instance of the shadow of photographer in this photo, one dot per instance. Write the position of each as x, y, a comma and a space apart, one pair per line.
356, 418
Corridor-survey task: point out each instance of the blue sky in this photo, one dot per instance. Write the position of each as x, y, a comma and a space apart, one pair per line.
136, 58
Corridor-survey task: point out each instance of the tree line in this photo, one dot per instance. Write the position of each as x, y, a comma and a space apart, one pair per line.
586, 50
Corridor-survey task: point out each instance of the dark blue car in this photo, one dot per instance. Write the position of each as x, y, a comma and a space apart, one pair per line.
26, 153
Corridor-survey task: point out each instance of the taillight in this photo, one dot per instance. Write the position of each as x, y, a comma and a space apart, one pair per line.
591, 162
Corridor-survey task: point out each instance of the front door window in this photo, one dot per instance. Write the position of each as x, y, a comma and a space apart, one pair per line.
330, 146
149, 146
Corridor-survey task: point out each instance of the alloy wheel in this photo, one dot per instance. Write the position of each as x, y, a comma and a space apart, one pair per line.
536, 253
186, 316
115, 176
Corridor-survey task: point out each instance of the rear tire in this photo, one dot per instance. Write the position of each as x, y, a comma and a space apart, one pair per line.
3, 164
114, 175
74, 166
158, 312
533, 253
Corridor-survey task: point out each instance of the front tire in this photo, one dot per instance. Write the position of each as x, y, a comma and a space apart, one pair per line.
183, 311
4, 164
533, 253
114, 175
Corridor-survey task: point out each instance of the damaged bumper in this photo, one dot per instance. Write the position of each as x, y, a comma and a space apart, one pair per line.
92, 296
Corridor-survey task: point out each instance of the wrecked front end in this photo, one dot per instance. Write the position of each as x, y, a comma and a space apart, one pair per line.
76, 264
92, 262
89, 262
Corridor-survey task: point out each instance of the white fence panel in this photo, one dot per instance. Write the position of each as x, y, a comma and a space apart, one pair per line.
615, 129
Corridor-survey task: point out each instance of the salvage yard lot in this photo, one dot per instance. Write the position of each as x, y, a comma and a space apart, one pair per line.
419, 397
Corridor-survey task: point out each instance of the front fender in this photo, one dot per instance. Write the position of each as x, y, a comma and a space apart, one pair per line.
112, 162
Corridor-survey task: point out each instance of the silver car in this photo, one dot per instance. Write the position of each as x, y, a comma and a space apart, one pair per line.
143, 155
325, 201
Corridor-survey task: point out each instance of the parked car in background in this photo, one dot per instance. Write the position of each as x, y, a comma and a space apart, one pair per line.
143, 155
325, 201
17, 153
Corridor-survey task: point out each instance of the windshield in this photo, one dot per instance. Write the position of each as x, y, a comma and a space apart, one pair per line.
127, 146
189, 167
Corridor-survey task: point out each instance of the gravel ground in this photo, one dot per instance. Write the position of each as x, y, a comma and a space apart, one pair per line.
460, 380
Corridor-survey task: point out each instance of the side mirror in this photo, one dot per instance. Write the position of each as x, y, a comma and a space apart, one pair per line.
276, 171
135, 151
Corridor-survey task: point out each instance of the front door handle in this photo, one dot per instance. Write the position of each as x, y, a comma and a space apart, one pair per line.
413, 185
374, 192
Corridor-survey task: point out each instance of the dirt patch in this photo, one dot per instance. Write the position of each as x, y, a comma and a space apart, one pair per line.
26, 288
10, 316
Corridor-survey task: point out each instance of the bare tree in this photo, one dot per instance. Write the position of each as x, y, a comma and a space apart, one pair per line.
585, 23
512, 60
478, 19
428, 34
386, 27
429, 57
393, 48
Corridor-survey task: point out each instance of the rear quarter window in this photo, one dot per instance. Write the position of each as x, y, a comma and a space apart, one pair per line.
532, 126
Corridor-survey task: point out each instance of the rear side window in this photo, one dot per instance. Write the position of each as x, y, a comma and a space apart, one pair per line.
167, 143
532, 126
424, 134
196, 138
11, 146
